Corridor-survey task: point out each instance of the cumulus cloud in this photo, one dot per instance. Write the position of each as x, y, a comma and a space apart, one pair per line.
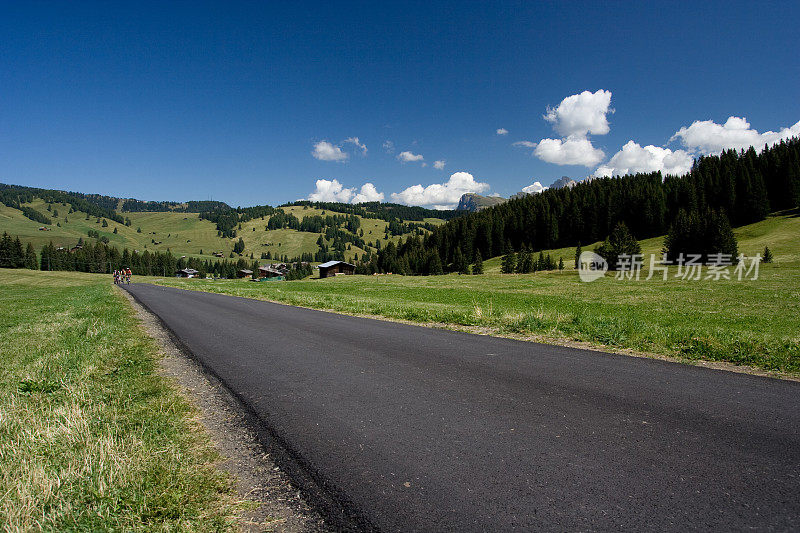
441, 195
360, 146
581, 114
368, 193
569, 151
407, 157
534, 188
330, 191
388, 147
333, 191
325, 151
524, 144
575, 118
439, 165
634, 158
708, 137
502, 131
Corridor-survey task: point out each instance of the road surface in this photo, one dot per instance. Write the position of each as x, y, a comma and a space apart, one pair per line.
407, 428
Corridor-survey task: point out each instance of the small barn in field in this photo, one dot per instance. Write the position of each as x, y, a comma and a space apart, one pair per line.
187, 273
244, 273
269, 272
336, 268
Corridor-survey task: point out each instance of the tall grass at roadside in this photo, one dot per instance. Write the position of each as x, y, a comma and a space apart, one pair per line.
91, 438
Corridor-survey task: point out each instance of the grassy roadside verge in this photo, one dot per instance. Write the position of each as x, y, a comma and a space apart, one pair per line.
754, 323
91, 438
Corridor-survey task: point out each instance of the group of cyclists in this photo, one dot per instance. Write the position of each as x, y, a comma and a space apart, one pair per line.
122, 276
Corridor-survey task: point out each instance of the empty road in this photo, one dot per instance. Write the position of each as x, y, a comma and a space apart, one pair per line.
407, 428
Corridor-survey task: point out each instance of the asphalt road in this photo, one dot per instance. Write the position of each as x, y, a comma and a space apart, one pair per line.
416, 429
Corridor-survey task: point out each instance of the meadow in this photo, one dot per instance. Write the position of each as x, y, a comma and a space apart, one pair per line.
91, 437
184, 234
748, 322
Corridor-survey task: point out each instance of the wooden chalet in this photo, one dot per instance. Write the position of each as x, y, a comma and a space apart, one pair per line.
187, 273
336, 268
269, 272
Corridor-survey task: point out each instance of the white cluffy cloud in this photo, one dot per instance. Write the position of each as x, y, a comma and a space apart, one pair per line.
368, 193
360, 146
581, 114
701, 137
441, 195
325, 151
708, 137
575, 118
634, 158
407, 157
388, 146
534, 188
333, 191
502, 131
439, 165
569, 151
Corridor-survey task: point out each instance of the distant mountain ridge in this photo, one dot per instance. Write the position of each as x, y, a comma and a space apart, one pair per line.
475, 202
563, 181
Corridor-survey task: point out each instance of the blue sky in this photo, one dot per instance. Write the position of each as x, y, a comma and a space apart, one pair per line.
229, 100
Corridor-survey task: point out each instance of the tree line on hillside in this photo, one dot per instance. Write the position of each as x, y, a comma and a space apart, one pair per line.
381, 211
192, 206
735, 187
95, 205
101, 258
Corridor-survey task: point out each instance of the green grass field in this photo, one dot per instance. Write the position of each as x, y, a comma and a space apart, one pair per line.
747, 322
91, 438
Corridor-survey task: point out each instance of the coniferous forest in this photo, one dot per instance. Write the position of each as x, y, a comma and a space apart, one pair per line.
742, 187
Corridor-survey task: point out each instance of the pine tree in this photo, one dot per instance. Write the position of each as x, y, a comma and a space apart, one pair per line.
31, 261
561, 263
459, 262
578, 252
477, 268
767, 256
700, 234
17, 254
6, 243
509, 262
524, 261
618, 243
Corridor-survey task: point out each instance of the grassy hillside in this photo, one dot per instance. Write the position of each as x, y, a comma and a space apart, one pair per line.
181, 233
747, 322
291, 242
